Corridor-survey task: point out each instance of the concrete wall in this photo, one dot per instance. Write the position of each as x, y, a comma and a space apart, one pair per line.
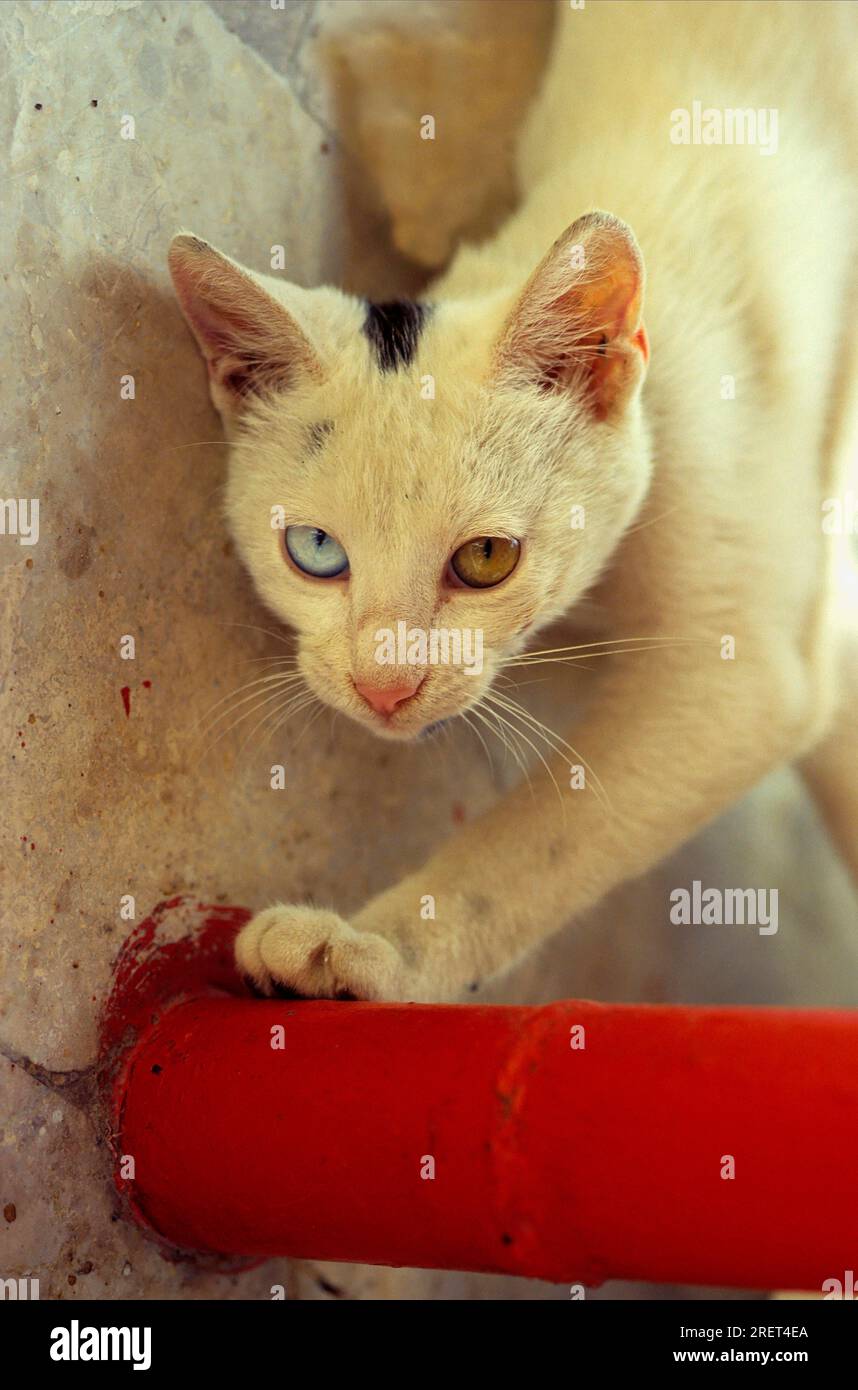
246, 130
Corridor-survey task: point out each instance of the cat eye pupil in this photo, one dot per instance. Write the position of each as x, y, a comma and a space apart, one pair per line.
315, 552
485, 561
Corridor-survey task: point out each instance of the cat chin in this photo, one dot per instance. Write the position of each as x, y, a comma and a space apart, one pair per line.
435, 728
393, 733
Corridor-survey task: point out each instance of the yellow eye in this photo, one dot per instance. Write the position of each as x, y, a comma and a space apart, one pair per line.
485, 561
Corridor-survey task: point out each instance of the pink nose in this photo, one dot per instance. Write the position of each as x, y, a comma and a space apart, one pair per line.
385, 699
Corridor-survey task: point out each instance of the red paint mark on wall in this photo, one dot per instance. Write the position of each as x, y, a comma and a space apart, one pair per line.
125, 692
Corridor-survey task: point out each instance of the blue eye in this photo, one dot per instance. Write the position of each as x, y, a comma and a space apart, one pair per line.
315, 552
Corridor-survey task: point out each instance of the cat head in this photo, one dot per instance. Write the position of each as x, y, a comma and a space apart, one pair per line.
417, 489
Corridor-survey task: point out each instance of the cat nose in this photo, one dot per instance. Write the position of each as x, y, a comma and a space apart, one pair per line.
384, 699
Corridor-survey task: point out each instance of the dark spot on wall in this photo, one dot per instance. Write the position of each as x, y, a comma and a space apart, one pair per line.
10, 1212
77, 556
393, 330
61, 901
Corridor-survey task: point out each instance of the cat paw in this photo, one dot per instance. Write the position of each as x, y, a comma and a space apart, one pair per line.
309, 953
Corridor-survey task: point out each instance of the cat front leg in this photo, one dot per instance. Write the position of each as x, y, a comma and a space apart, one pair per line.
670, 753
670, 758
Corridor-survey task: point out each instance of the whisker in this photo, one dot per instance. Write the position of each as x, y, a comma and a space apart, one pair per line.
311, 721
254, 627
287, 709
558, 745
277, 679
540, 680
260, 703
537, 659
522, 735
474, 730
280, 713
651, 521
196, 444
486, 716
612, 642
291, 712
274, 660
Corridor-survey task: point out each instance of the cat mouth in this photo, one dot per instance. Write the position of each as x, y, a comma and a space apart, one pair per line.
404, 727
388, 727
407, 730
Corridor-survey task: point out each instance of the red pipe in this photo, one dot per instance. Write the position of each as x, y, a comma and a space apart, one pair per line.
565, 1162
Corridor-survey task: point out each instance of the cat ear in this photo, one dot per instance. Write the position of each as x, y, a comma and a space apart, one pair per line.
251, 343
577, 326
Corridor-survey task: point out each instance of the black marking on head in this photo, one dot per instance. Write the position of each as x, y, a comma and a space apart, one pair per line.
393, 330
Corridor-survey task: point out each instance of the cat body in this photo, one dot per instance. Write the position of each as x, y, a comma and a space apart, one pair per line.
641, 411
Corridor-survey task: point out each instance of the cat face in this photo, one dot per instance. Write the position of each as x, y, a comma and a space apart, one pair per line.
418, 489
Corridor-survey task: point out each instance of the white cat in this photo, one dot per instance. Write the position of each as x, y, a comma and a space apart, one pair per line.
483, 461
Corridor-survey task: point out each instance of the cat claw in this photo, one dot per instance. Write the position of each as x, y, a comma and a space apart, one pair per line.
310, 953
